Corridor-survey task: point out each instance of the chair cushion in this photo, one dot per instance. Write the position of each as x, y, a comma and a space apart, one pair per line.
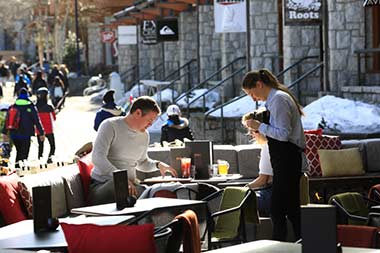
58, 197
372, 153
73, 187
10, 202
314, 131
356, 236
88, 238
315, 142
248, 157
85, 167
342, 162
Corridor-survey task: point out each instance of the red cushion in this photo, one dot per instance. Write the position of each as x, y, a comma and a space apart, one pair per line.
85, 167
10, 202
314, 131
356, 236
315, 142
110, 238
26, 198
165, 194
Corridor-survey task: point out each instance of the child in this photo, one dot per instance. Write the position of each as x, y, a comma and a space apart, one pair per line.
47, 116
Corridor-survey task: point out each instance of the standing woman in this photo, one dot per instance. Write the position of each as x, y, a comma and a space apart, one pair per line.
286, 143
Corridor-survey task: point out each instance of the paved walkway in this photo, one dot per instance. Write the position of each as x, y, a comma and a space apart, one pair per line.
72, 129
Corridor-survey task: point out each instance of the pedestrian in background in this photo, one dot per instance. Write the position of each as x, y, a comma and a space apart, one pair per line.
38, 82
109, 109
47, 116
28, 120
57, 92
176, 127
286, 142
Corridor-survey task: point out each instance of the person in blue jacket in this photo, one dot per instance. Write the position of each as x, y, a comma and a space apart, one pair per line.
29, 119
109, 109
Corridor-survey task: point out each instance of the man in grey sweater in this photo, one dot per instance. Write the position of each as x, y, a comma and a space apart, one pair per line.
122, 143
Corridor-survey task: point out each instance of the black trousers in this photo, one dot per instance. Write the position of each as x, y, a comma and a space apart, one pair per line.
51, 140
286, 162
22, 148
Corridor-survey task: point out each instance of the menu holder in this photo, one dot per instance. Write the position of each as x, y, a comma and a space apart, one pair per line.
120, 179
318, 236
202, 157
41, 208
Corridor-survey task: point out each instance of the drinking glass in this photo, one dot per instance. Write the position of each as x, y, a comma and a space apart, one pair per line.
185, 166
223, 167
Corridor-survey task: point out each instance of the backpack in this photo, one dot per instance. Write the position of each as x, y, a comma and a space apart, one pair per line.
12, 121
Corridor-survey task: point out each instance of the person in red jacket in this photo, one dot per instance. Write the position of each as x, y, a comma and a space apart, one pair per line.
47, 116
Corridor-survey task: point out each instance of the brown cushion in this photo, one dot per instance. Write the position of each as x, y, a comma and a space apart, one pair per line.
343, 162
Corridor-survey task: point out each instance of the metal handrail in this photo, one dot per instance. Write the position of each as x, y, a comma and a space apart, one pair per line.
187, 93
179, 69
213, 88
172, 82
296, 63
364, 51
128, 70
305, 75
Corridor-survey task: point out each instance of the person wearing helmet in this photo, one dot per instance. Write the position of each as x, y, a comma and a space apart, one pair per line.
47, 115
176, 127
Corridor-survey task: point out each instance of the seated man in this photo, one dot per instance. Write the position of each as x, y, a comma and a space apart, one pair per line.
122, 143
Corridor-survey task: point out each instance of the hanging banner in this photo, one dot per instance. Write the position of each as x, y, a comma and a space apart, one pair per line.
108, 36
230, 16
167, 29
148, 32
371, 3
127, 35
303, 12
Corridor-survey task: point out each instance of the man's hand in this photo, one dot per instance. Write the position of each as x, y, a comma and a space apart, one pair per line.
252, 124
132, 188
163, 167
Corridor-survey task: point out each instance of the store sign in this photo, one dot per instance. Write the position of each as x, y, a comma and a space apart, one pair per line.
167, 29
371, 3
148, 32
108, 36
230, 16
303, 12
127, 35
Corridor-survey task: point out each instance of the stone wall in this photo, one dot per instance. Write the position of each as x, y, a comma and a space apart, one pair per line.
210, 42
264, 34
126, 59
299, 42
187, 45
346, 33
95, 45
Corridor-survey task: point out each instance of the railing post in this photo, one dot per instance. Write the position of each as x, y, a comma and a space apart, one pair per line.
359, 70
222, 123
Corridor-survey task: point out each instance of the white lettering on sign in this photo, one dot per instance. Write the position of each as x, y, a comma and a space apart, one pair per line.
304, 15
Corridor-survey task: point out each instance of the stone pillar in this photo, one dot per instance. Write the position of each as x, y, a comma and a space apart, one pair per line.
346, 33
188, 45
126, 59
210, 42
150, 56
264, 34
95, 45
232, 47
301, 41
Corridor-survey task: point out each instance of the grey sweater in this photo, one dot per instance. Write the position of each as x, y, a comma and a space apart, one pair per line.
117, 146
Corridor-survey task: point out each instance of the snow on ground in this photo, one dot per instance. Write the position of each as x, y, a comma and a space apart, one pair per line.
342, 115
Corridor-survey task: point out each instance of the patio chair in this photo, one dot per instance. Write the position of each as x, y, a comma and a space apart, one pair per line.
374, 192
352, 208
227, 225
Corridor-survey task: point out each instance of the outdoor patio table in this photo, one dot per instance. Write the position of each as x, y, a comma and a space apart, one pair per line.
21, 235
